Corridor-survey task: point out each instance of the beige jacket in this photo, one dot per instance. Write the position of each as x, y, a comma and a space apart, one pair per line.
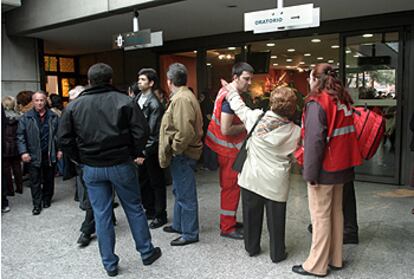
266, 170
181, 128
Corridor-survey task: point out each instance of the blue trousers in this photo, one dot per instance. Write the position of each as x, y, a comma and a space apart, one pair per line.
99, 182
184, 189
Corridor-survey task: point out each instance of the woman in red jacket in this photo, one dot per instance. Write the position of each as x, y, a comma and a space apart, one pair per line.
331, 151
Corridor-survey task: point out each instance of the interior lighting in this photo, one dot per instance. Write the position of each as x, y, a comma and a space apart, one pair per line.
312, 65
221, 56
289, 67
208, 64
289, 60
368, 35
270, 44
331, 61
228, 56
195, 51
316, 40
300, 70
301, 63
231, 48
319, 58
307, 54
348, 51
334, 46
347, 66
273, 56
291, 50
275, 64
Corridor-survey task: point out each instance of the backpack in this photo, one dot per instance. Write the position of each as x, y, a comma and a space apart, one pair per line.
369, 128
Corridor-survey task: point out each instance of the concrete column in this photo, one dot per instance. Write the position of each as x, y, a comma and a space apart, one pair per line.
19, 64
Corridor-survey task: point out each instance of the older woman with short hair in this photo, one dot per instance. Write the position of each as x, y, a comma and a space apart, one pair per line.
264, 180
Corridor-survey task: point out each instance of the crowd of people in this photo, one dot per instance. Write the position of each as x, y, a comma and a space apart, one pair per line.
121, 143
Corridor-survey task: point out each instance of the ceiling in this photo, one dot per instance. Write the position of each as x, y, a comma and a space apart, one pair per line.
194, 18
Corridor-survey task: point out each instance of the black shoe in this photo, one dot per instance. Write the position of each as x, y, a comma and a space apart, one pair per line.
299, 270
281, 259
310, 229
170, 229
112, 273
155, 255
181, 241
239, 225
350, 240
158, 222
237, 234
84, 239
331, 267
255, 253
36, 211
46, 204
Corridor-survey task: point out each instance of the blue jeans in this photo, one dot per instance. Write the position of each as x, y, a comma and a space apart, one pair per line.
184, 189
123, 178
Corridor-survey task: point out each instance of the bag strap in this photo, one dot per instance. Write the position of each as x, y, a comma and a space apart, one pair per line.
254, 126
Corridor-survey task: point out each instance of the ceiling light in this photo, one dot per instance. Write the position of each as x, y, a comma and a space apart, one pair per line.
356, 55
334, 46
348, 51
319, 58
289, 67
228, 56
221, 56
316, 40
331, 61
312, 65
289, 60
368, 35
307, 54
347, 66
270, 44
301, 63
300, 70
208, 64
291, 50
231, 48
275, 64
273, 56
337, 64
195, 51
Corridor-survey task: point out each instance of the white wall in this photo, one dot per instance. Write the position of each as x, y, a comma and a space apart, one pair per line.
19, 64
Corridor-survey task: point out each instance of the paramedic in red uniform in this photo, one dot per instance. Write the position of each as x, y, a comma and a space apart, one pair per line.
225, 136
330, 154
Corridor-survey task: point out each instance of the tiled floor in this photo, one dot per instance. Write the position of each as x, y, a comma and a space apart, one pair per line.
45, 246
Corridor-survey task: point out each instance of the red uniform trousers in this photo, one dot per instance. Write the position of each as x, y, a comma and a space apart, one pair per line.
230, 194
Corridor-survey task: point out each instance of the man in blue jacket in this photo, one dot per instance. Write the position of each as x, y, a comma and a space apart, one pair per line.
36, 143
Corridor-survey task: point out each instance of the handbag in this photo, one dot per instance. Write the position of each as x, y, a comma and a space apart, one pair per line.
242, 155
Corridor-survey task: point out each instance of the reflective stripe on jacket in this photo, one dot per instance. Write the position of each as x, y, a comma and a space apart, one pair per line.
223, 145
342, 151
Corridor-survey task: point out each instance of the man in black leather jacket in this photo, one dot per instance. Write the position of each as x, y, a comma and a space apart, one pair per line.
105, 131
37, 145
151, 176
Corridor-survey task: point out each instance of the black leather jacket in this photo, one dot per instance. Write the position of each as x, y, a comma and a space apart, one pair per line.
28, 137
102, 127
153, 112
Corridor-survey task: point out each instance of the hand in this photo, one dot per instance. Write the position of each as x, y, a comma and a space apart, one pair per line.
223, 82
26, 158
59, 155
139, 161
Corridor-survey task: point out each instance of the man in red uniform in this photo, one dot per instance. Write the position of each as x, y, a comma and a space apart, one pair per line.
225, 136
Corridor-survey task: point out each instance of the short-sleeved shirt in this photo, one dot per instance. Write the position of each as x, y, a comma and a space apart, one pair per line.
225, 107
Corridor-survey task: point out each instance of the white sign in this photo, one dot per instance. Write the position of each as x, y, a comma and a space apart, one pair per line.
295, 17
156, 40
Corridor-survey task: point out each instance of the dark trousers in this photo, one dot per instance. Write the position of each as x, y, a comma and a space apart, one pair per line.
45, 174
12, 165
153, 188
350, 211
253, 209
88, 225
4, 200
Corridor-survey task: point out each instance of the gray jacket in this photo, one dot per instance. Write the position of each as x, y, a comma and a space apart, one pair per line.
28, 137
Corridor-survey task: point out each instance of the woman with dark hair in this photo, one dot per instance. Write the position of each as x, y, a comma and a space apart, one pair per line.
330, 155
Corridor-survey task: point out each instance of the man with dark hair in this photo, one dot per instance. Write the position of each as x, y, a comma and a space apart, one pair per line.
151, 176
181, 146
37, 146
104, 131
225, 136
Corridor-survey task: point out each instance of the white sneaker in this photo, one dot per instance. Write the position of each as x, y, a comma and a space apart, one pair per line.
5, 209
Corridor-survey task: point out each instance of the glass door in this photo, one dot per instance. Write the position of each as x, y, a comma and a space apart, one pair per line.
372, 73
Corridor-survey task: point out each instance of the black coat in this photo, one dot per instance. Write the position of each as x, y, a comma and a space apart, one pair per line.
153, 112
10, 145
28, 137
102, 127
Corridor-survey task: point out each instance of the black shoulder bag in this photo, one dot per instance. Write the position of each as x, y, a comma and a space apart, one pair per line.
242, 155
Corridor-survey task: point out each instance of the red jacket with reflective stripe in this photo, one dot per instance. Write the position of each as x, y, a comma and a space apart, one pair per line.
223, 145
342, 150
